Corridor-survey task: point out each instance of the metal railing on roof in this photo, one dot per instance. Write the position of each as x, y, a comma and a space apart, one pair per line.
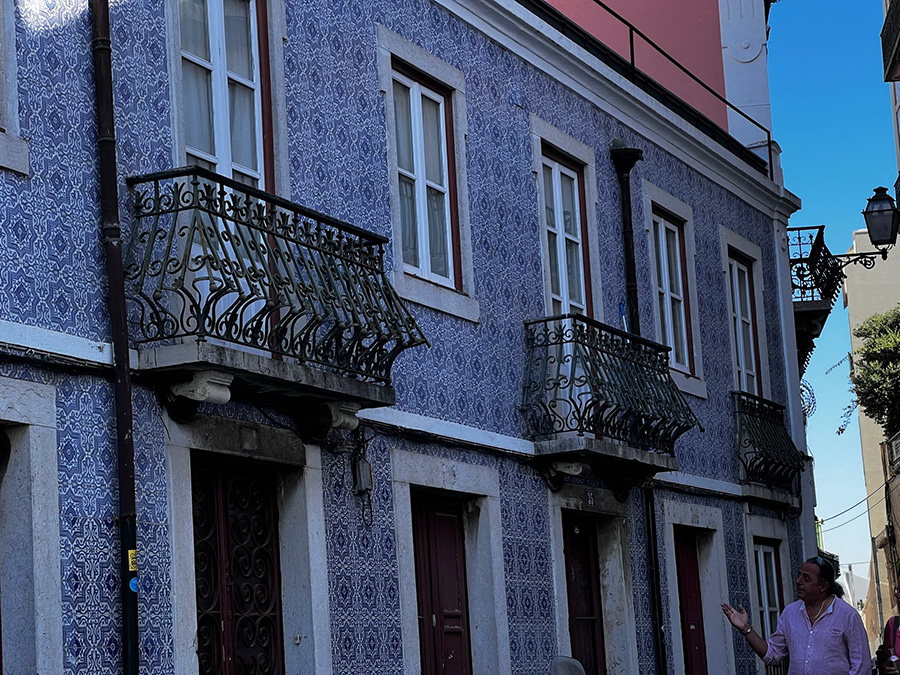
210, 258
629, 69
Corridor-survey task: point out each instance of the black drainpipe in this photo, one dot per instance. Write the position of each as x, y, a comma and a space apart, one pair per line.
624, 159
112, 245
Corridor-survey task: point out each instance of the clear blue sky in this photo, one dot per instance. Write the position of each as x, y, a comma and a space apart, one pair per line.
832, 117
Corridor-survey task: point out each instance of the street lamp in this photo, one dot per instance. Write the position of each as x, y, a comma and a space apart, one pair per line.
882, 221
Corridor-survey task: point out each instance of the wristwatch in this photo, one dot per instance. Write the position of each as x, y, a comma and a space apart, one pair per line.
747, 632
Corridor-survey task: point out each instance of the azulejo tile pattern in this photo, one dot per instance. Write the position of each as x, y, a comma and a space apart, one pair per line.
52, 276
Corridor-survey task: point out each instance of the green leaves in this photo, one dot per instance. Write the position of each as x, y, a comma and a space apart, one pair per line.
876, 369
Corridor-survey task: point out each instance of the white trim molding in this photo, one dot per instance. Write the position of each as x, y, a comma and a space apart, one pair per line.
485, 575
31, 603
517, 29
616, 597
654, 197
444, 299
707, 521
301, 533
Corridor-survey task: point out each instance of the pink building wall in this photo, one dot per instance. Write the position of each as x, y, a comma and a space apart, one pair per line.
688, 30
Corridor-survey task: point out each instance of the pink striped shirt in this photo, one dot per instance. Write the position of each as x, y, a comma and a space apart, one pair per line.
835, 645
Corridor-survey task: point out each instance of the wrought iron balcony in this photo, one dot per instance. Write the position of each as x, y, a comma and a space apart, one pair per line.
764, 446
816, 277
892, 455
890, 42
585, 377
210, 259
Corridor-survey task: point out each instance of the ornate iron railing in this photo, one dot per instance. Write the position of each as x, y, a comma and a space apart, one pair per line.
583, 376
815, 273
208, 257
764, 446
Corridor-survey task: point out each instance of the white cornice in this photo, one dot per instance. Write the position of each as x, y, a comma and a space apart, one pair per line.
524, 34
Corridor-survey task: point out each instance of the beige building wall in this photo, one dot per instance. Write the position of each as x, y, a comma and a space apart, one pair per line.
868, 292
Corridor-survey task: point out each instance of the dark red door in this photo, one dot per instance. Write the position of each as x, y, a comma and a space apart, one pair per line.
690, 605
583, 591
237, 571
439, 547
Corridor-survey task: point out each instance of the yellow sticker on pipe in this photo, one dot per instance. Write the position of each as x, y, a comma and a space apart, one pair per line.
132, 560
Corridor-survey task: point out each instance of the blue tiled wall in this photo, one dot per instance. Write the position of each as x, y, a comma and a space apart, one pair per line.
52, 275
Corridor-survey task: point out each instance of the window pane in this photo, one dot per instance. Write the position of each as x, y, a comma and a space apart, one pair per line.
408, 222
237, 38
747, 345
194, 32
554, 262
657, 249
573, 263
437, 233
548, 200
570, 215
673, 252
243, 125
771, 598
679, 348
744, 290
403, 126
198, 129
663, 318
432, 129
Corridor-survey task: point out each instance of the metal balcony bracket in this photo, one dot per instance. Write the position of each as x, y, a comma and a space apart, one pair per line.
765, 448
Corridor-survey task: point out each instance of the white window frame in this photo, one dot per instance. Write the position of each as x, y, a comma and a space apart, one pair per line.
762, 577
221, 158
421, 185
459, 300
616, 597
657, 202
13, 149
662, 225
485, 574
543, 133
733, 242
564, 297
746, 365
772, 529
301, 524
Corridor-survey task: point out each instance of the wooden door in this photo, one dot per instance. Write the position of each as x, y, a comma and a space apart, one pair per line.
439, 548
583, 591
689, 601
237, 570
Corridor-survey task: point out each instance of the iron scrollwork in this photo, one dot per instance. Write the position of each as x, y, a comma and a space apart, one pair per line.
211, 258
765, 448
583, 376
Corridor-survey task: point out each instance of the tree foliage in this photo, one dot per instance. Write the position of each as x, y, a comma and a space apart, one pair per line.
876, 369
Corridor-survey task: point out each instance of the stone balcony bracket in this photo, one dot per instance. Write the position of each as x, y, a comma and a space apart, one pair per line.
207, 386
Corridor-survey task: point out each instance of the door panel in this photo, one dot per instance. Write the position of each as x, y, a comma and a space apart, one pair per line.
583, 592
238, 578
439, 545
690, 604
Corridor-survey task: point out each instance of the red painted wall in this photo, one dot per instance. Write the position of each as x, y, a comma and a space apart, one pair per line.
687, 30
